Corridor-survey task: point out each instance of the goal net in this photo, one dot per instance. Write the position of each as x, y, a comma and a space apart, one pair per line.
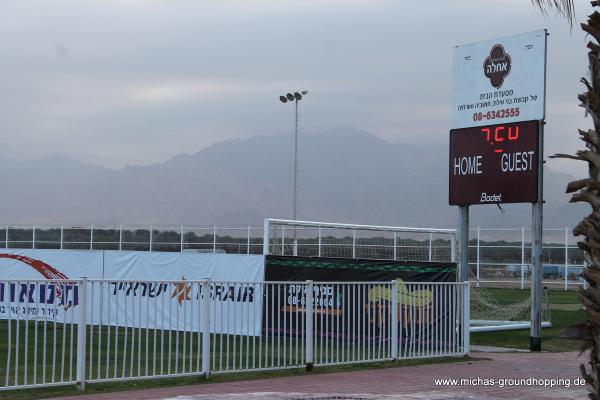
325, 239
488, 314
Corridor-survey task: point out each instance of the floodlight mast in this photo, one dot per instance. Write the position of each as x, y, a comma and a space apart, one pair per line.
295, 97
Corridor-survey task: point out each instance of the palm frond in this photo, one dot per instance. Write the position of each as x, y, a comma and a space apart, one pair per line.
566, 8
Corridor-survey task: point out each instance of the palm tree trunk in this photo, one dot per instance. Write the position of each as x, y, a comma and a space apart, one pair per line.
588, 190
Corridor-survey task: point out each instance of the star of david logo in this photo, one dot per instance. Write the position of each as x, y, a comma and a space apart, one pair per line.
181, 291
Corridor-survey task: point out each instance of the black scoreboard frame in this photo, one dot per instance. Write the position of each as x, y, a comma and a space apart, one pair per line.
491, 185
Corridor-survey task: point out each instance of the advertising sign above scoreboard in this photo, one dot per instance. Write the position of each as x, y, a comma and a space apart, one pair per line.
494, 164
500, 80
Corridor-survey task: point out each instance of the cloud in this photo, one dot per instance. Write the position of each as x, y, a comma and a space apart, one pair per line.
120, 83
61, 51
194, 88
169, 91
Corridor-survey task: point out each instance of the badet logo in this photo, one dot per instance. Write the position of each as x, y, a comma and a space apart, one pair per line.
36, 296
184, 291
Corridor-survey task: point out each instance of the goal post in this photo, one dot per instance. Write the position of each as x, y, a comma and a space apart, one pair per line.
341, 240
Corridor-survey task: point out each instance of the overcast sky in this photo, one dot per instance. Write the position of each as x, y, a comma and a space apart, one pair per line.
137, 82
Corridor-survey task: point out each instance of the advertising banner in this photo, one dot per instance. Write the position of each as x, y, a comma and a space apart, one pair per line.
500, 80
334, 301
47, 299
286, 268
176, 305
163, 305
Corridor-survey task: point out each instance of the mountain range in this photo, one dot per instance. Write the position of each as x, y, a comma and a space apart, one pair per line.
345, 175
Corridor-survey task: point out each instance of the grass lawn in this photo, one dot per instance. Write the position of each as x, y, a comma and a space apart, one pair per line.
564, 310
557, 296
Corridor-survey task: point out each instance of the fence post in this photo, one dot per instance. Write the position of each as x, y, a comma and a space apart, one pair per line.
395, 244
566, 258
150, 237
120, 237
522, 257
584, 281
248, 245
319, 248
394, 322
33, 237
81, 334
6, 237
214, 238
466, 318
430, 247
206, 327
309, 334
91, 237
453, 247
478, 241
62, 235
353, 243
181, 240
283, 240
266, 228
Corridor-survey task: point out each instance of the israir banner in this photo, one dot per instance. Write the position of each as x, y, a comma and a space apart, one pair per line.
177, 305
174, 305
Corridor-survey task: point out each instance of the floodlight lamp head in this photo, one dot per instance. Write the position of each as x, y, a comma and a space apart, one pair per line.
290, 97
297, 96
283, 99
304, 91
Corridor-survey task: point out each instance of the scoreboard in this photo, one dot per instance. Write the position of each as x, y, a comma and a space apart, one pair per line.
494, 164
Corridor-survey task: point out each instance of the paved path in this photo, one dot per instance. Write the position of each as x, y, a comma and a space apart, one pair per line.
393, 383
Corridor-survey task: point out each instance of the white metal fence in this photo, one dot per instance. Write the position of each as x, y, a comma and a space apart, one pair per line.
75, 332
239, 240
496, 256
502, 257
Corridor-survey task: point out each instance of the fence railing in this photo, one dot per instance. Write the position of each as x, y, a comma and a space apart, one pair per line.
212, 239
503, 257
496, 256
63, 332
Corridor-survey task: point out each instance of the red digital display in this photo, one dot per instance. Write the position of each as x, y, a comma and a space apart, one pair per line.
497, 134
494, 164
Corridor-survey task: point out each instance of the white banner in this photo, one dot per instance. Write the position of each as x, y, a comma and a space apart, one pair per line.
176, 305
500, 80
143, 304
47, 299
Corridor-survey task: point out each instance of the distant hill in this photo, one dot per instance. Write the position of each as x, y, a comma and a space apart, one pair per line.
346, 175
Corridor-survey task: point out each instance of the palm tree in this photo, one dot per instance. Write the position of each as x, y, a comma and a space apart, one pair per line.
588, 191
565, 8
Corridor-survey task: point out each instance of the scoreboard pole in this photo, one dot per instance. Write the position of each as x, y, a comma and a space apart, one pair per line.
535, 336
463, 266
